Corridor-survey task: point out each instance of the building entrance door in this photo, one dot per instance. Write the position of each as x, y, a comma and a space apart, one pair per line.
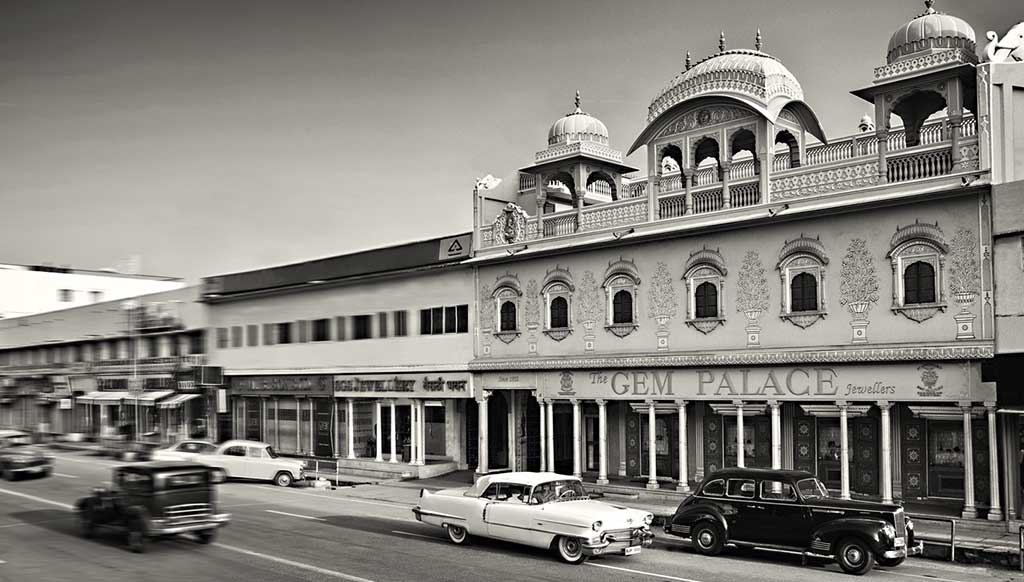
434, 417
563, 440
497, 430
945, 458
757, 441
666, 434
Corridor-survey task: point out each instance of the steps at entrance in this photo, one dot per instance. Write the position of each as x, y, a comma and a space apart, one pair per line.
381, 471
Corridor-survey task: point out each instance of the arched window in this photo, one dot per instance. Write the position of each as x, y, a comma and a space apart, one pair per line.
559, 316
622, 307
803, 293
706, 300
919, 283
508, 316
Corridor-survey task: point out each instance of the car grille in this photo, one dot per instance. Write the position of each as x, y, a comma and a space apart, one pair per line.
188, 513
901, 524
620, 535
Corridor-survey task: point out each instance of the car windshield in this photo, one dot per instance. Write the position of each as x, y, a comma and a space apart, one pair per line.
271, 453
812, 489
566, 490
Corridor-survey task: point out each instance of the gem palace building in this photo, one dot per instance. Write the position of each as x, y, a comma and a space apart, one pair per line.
767, 296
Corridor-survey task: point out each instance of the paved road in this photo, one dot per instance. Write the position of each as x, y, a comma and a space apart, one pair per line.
349, 534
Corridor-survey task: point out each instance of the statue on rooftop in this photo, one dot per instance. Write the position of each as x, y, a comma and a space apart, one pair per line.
1009, 48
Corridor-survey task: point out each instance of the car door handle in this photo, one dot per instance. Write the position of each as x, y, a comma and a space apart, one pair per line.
756, 507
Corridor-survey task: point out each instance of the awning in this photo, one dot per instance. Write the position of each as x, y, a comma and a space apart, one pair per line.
103, 397
148, 398
178, 400
116, 396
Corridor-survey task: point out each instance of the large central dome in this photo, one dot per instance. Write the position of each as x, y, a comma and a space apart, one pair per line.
747, 74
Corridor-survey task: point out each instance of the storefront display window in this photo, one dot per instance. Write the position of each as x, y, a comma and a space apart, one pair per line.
749, 450
946, 445
287, 425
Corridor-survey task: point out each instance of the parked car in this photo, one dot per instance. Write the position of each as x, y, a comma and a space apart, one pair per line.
544, 510
20, 458
154, 500
186, 450
792, 510
252, 460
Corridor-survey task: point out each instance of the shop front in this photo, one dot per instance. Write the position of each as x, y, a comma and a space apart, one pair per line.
900, 430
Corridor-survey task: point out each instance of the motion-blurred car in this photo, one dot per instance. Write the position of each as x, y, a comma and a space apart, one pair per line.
252, 460
20, 458
544, 510
152, 501
186, 450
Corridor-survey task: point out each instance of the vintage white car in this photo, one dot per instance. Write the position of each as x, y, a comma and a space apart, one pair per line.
544, 510
252, 460
183, 451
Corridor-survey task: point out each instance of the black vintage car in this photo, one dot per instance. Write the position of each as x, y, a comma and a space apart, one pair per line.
154, 500
792, 510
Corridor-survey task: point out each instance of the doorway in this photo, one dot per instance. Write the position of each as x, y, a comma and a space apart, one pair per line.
497, 430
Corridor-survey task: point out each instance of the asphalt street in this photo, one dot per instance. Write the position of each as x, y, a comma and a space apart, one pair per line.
353, 534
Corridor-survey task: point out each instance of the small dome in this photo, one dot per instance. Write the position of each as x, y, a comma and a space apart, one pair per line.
578, 126
930, 32
750, 73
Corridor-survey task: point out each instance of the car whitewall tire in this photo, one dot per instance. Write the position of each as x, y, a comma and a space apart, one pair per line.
457, 534
283, 479
570, 550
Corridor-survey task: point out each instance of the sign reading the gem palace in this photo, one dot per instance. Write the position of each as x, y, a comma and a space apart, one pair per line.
945, 381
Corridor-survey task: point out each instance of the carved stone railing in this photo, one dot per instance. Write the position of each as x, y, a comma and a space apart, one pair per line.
741, 170
917, 164
560, 223
746, 194
620, 212
670, 182
527, 182
706, 176
800, 182
781, 162
672, 206
707, 200
634, 189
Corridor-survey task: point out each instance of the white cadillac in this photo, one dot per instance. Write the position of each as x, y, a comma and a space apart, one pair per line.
544, 510
252, 460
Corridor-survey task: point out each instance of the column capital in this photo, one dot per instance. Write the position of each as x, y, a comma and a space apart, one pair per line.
483, 396
601, 402
738, 404
775, 404
990, 406
574, 401
884, 404
965, 405
681, 403
842, 404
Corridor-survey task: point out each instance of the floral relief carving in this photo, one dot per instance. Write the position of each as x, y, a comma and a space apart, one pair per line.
859, 282
589, 302
486, 307
825, 181
702, 118
662, 302
752, 295
510, 225
964, 279
532, 306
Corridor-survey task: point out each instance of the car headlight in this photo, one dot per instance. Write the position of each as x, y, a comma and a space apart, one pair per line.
889, 531
596, 526
648, 519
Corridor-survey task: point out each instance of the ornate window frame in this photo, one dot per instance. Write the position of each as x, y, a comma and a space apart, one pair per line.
704, 265
557, 283
507, 289
803, 255
621, 275
912, 243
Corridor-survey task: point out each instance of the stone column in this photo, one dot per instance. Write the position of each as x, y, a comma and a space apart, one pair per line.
684, 470
482, 424
576, 471
312, 426
844, 450
995, 513
602, 451
652, 446
886, 451
543, 435
741, 451
776, 434
422, 405
378, 433
394, 434
726, 195
687, 177
970, 510
955, 121
337, 425
298, 424
414, 433
350, 425
883, 145
550, 452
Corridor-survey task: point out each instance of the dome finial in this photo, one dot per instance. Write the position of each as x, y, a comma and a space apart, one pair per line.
689, 61
721, 42
577, 100
928, 6
757, 40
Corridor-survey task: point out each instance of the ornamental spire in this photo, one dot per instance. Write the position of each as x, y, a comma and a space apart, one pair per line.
689, 61
721, 42
578, 110
757, 40
928, 6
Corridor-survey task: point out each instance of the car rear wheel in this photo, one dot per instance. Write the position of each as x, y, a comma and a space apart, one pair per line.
854, 556
890, 562
136, 537
283, 479
570, 550
206, 536
708, 538
457, 534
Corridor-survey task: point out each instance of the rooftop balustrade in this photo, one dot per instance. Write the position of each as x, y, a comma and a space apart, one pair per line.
844, 165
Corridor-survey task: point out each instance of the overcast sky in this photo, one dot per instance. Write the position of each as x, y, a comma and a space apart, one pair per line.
214, 136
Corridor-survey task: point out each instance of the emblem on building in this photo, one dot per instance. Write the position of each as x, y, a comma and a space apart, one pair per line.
566, 383
930, 377
510, 225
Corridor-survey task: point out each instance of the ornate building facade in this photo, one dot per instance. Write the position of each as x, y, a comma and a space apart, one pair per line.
766, 295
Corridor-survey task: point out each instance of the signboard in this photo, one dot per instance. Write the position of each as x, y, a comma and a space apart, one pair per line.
65, 404
312, 385
454, 247
452, 385
222, 401
324, 427
135, 386
125, 384
209, 375
929, 381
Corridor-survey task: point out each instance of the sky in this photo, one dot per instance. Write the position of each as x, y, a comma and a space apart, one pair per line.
208, 137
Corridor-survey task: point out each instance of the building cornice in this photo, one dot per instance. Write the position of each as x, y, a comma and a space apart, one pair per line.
825, 355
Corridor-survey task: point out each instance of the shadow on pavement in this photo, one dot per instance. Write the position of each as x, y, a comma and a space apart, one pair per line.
66, 523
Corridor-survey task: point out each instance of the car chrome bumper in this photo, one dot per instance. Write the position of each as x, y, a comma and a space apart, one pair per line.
916, 549
166, 529
33, 469
644, 539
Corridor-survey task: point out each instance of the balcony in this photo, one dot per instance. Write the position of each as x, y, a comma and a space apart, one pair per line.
845, 165
164, 365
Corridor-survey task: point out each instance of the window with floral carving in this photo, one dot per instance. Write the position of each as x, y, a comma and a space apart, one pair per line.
622, 307
557, 297
803, 293
919, 283
705, 300
918, 255
506, 307
705, 279
508, 316
559, 313
621, 286
802, 269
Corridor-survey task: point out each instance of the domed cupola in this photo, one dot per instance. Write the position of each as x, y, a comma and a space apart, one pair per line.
577, 126
928, 33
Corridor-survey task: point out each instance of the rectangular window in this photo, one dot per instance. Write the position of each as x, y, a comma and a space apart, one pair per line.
96, 296
401, 328
361, 327
303, 326
196, 343
268, 334
65, 295
773, 490
424, 322
222, 338
449, 319
236, 336
253, 335
284, 333
321, 330
441, 320
382, 323
437, 320
743, 488
151, 348
339, 324
462, 319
